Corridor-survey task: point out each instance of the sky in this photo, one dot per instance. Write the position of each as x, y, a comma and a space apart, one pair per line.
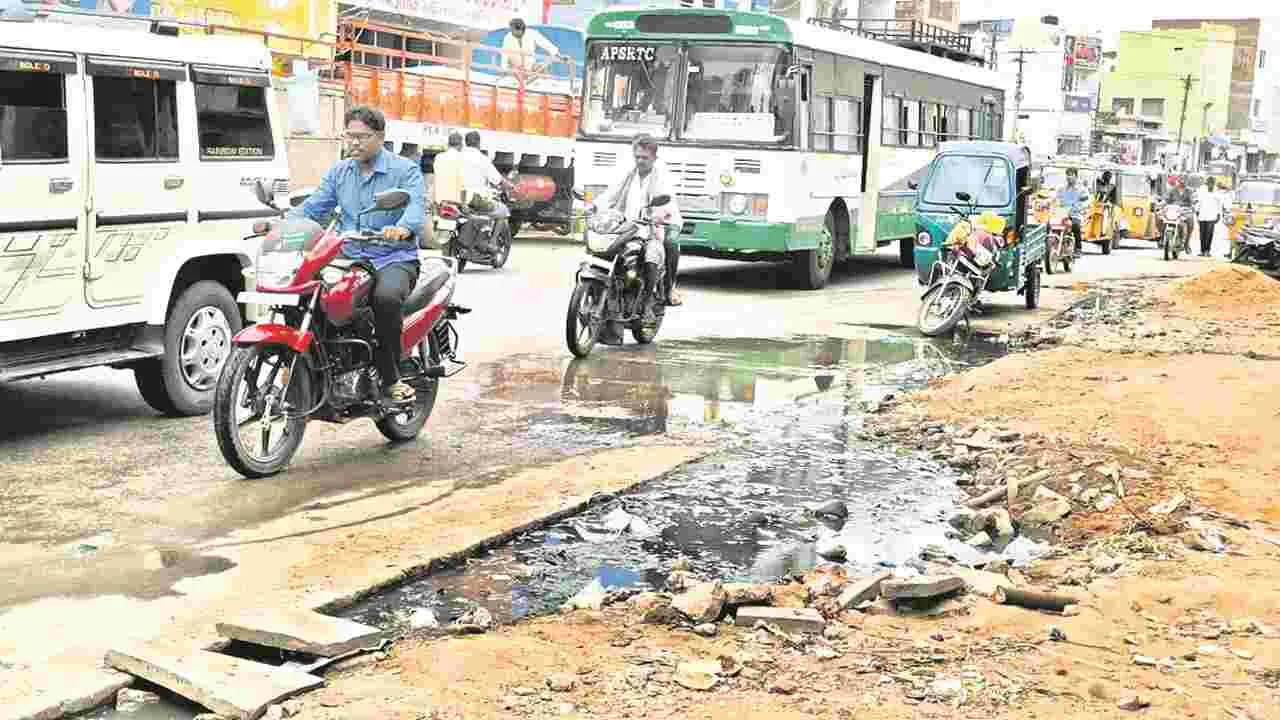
1112, 16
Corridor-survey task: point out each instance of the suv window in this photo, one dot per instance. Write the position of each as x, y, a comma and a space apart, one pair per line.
135, 119
33, 117
233, 122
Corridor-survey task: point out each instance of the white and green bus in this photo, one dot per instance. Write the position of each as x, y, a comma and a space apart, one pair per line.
786, 141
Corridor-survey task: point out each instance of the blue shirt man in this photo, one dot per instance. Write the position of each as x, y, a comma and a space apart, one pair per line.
1073, 199
349, 187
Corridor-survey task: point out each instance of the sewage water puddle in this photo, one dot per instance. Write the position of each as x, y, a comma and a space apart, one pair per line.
790, 412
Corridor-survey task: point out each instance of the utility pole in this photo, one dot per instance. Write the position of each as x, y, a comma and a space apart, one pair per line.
1182, 120
1017, 93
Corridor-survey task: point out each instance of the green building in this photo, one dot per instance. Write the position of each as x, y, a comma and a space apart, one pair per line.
1163, 81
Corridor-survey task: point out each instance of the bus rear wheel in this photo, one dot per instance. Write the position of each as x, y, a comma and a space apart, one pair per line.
907, 253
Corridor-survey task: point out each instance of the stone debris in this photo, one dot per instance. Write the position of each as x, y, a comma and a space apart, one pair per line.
1170, 506
477, 620
832, 508
736, 594
130, 701
832, 549
561, 682
423, 618
1133, 701
701, 603
861, 591
782, 686
979, 540
708, 630
702, 675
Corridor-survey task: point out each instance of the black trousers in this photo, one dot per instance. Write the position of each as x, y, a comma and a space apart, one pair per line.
1206, 236
391, 285
1075, 232
671, 247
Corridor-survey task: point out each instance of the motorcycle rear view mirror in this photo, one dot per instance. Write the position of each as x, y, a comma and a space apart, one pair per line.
659, 201
963, 196
390, 200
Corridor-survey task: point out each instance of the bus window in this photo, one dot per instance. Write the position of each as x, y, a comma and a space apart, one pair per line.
631, 89
736, 93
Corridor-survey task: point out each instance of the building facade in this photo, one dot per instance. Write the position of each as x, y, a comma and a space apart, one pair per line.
1254, 102
1059, 71
1168, 94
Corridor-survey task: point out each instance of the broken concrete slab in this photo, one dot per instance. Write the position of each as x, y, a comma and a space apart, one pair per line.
791, 620
300, 631
862, 590
80, 693
981, 582
921, 587
701, 603
748, 594
234, 688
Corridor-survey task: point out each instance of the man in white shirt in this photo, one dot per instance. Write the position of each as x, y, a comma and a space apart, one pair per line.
631, 196
479, 176
447, 174
519, 46
1208, 212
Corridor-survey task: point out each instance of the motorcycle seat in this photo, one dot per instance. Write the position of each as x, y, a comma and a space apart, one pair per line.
431, 278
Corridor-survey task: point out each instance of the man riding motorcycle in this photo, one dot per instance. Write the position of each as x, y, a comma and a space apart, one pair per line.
480, 179
632, 195
1074, 199
349, 187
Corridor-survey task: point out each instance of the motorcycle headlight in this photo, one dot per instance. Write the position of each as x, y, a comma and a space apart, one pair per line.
331, 275
923, 239
605, 222
599, 242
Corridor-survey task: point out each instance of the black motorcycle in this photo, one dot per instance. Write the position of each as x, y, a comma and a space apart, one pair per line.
478, 237
609, 290
1259, 247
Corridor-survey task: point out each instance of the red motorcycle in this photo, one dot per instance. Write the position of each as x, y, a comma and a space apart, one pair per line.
314, 359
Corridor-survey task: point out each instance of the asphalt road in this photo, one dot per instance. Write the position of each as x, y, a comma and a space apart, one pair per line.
85, 464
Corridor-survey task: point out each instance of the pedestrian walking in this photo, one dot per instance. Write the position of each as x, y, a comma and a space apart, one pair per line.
1208, 212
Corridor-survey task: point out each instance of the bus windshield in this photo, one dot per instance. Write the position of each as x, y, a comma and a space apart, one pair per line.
985, 178
737, 93
1132, 185
630, 89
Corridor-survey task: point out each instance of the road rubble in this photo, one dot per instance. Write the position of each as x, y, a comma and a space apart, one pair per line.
1132, 437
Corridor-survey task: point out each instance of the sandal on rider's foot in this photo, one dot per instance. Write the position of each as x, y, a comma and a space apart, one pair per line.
400, 392
675, 299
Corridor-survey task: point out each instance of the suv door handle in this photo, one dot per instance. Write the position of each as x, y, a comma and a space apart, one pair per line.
173, 182
57, 186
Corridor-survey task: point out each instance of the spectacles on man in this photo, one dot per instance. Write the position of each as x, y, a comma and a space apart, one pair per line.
358, 137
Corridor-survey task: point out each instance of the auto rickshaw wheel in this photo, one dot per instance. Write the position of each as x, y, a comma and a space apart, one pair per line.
1106, 246
1049, 255
1032, 292
1066, 263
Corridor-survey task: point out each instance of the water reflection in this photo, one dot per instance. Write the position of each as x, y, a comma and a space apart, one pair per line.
790, 411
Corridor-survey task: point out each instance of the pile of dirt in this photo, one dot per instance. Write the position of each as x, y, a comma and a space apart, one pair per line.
1231, 288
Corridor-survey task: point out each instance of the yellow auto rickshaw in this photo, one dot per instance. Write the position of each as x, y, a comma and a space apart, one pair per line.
1254, 203
1104, 223
1138, 191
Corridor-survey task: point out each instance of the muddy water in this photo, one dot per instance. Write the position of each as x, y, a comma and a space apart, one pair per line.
789, 412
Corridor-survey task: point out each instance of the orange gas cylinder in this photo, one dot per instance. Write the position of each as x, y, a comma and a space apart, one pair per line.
533, 188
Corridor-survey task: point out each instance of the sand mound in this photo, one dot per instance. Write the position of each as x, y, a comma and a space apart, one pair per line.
1228, 287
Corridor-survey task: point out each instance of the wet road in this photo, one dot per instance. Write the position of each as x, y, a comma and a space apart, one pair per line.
94, 480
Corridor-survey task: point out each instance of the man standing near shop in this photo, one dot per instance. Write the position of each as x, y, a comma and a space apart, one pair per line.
1209, 213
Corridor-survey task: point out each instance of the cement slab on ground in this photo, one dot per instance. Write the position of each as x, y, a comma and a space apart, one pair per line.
301, 631
229, 686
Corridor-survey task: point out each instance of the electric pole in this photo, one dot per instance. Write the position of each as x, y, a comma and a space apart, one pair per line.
1017, 93
1182, 120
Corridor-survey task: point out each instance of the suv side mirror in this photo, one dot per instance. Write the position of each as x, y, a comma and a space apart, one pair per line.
963, 196
263, 194
659, 201
913, 185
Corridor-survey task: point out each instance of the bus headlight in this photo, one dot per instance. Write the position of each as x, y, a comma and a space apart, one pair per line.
745, 204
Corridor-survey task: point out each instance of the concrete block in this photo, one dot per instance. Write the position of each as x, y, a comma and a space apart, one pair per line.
301, 631
792, 620
234, 688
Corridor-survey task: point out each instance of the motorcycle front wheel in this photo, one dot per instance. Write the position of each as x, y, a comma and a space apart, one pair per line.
580, 328
942, 308
258, 431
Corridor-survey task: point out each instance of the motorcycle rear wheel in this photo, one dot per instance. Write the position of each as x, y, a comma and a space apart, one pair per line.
502, 238
403, 427
580, 332
953, 299
243, 371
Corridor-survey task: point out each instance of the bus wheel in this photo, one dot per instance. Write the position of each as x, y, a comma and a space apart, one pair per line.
812, 268
907, 253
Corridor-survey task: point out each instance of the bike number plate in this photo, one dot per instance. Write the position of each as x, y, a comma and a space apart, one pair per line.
249, 297
446, 224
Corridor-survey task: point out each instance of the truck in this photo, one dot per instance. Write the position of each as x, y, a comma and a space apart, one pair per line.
431, 85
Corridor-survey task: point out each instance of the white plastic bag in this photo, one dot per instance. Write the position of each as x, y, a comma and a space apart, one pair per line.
303, 93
